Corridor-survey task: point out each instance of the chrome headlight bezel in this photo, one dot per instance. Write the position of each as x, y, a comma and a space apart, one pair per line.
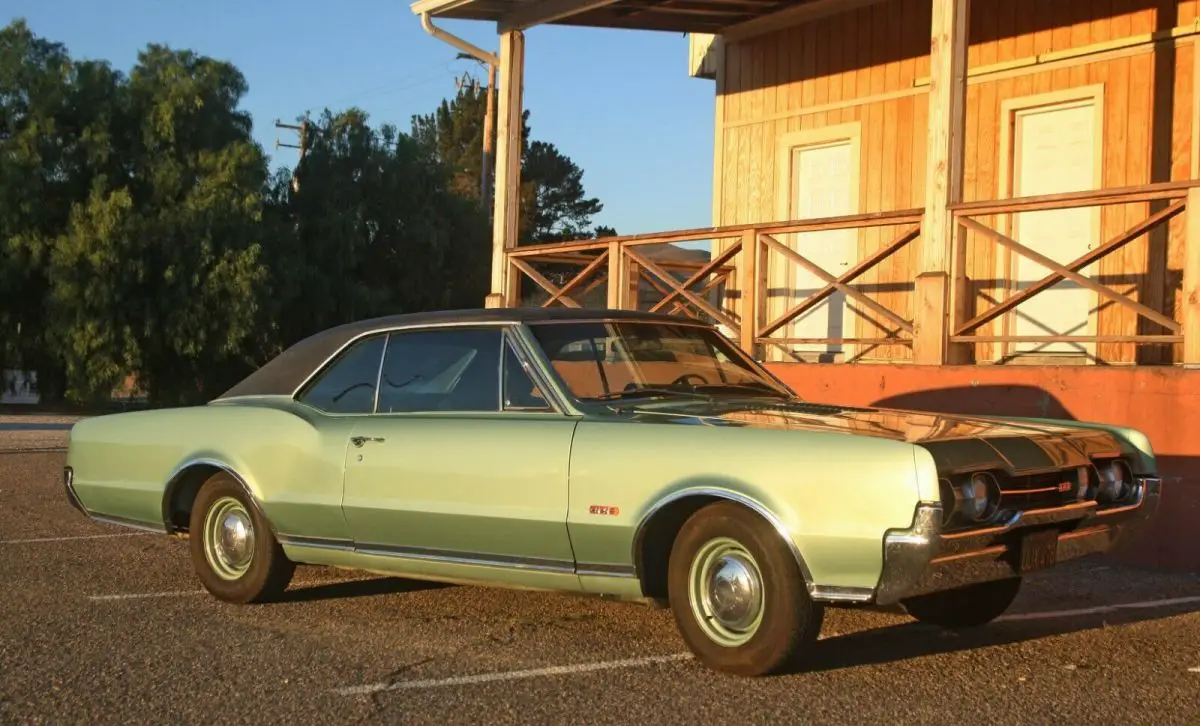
1115, 480
1085, 489
979, 496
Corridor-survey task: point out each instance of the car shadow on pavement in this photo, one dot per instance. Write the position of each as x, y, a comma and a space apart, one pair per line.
911, 640
359, 588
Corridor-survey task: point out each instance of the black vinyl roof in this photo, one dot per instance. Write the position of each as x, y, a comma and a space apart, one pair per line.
283, 374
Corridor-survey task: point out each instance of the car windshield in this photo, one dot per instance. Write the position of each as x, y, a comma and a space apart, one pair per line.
606, 360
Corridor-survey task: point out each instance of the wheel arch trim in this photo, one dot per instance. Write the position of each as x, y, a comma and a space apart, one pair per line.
745, 500
180, 471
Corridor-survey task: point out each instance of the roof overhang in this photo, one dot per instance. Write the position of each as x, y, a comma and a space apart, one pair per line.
729, 18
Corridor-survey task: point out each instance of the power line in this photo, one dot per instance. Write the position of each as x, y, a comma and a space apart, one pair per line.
400, 83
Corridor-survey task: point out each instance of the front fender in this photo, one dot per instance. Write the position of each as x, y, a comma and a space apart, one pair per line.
831, 495
739, 492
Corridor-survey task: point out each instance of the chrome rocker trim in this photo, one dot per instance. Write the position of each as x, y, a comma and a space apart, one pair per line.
458, 557
920, 559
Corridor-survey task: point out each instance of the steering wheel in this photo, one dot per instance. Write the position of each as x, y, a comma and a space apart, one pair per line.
686, 376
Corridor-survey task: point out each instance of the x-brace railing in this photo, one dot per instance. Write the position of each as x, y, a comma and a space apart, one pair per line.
842, 284
964, 332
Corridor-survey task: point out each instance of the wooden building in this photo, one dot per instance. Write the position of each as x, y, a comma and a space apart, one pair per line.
970, 205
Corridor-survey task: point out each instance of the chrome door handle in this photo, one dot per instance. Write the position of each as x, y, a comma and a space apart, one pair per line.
360, 440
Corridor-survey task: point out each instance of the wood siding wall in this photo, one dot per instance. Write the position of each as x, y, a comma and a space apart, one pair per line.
870, 65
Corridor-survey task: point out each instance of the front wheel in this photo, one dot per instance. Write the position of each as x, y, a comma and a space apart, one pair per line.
972, 606
737, 593
235, 555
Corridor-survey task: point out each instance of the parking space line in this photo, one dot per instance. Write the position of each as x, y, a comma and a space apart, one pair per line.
1100, 609
650, 660
183, 593
40, 540
510, 675
140, 595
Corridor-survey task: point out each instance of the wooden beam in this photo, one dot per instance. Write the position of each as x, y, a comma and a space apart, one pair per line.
506, 205
750, 293
1074, 200
1195, 160
1190, 302
526, 15
616, 275
937, 274
850, 221
793, 15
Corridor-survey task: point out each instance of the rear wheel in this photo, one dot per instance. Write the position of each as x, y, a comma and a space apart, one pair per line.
737, 594
235, 555
972, 606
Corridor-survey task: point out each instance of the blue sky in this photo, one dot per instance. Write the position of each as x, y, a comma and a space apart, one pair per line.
619, 103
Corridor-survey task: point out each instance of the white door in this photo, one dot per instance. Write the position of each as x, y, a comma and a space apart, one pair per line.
1054, 151
824, 185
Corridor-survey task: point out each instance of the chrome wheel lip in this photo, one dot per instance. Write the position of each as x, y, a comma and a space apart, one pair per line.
726, 592
228, 538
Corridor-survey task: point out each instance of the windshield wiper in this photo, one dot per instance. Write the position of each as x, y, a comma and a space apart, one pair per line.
756, 387
645, 391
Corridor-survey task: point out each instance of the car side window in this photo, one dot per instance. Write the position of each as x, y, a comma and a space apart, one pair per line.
521, 393
448, 369
348, 385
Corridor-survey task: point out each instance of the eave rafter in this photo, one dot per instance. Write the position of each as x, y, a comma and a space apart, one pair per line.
546, 11
731, 19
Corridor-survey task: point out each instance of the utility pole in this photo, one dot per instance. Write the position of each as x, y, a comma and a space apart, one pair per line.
302, 129
489, 121
489, 125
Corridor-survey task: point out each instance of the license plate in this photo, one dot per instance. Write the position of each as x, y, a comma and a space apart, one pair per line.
1039, 550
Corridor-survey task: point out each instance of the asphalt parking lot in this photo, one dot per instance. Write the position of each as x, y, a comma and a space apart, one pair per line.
104, 626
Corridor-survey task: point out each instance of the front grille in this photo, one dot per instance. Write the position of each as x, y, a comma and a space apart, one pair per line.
1040, 491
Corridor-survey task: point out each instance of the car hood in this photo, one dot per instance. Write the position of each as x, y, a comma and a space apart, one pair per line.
956, 442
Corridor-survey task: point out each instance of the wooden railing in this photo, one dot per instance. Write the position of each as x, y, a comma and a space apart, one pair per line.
737, 288
1172, 200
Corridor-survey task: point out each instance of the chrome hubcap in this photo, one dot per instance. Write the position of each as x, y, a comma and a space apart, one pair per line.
228, 538
726, 592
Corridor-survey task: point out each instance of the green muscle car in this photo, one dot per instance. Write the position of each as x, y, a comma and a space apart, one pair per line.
633, 455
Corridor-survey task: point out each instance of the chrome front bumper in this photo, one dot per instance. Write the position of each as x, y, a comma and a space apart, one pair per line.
921, 559
69, 485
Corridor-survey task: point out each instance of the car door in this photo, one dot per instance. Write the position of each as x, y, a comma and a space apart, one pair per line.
343, 391
449, 469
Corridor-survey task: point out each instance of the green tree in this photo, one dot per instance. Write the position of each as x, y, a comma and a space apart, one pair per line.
53, 144
554, 204
374, 227
158, 271
141, 233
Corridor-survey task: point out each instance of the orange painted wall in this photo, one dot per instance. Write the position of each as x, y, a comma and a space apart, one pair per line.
1162, 402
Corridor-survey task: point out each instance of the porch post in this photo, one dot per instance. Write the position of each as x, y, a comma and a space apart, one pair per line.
506, 201
941, 265
1190, 318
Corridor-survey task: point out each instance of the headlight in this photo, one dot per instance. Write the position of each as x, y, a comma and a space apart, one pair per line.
1115, 481
980, 495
